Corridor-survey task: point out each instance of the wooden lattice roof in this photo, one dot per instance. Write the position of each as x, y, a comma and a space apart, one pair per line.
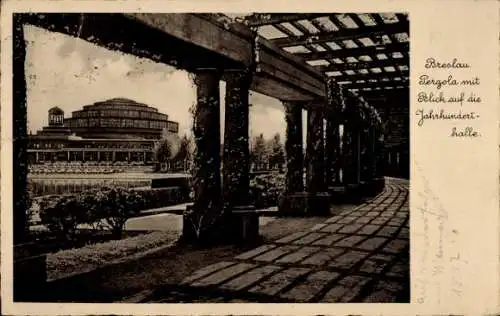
363, 52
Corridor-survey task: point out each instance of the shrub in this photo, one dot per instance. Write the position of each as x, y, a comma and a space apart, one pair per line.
266, 189
160, 197
103, 208
115, 207
89, 200
168, 182
62, 216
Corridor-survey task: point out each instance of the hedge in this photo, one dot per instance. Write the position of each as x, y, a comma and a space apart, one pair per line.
265, 189
105, 208
160, 197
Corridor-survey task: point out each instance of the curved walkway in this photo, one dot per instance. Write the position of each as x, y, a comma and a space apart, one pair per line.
361, 255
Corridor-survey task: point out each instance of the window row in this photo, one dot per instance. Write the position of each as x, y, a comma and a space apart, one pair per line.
56, 119
101, 146
119, 123
46, 145
121, 113
173, 127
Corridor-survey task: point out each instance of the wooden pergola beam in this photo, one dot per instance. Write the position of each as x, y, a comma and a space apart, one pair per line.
343, 34
260, 19
373, 96
356, 52
365, 65
372, 76
375, 85
356, 19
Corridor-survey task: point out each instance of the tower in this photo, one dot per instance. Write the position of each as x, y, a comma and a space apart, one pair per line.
56, 116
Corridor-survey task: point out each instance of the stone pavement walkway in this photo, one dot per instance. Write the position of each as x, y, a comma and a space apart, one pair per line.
361, 255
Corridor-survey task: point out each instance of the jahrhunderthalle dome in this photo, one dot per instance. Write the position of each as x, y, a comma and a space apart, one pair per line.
119, 118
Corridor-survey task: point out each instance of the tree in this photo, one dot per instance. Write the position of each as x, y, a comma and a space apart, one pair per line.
259, 153
185, 152
276, 150
166, 149
163, 150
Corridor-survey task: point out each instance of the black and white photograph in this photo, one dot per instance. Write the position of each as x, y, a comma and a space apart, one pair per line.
211, 157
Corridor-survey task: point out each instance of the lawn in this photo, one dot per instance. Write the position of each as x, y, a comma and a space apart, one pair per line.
68, 262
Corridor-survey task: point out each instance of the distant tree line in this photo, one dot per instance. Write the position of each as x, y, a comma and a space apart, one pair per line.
175, 154
267, 154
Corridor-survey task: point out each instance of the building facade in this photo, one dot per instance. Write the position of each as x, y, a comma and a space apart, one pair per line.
115, 130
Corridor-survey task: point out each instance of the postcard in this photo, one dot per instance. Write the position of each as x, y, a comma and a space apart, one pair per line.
250, 158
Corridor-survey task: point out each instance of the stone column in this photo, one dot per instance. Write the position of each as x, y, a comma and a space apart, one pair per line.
335, 103
351, 147
294, 181
373, 153
391, 158
243, 220
379, 160
365, 162
293, 200
203, 222
114, 156
332, 151
358, 154
318, 197
236, 161
315, 152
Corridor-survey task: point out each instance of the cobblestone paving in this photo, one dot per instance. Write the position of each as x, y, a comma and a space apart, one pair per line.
361, 255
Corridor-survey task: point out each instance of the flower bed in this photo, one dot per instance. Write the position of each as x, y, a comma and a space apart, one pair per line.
79, 260
42, 187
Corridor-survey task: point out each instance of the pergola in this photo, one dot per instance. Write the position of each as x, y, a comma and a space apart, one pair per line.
361, 52
346, 70
364, 53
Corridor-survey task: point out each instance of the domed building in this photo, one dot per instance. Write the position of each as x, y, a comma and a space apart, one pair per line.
114, 130
119, 118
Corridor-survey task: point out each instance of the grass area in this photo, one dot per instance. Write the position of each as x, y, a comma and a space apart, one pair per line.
66, 262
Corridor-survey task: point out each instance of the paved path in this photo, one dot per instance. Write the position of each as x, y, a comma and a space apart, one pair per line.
361, 255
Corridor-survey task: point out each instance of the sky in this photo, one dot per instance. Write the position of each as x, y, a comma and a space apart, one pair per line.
70, 73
